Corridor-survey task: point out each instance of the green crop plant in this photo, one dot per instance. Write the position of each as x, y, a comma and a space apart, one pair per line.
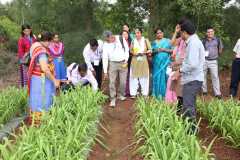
12, 101
224, 116
164, 135
66, 133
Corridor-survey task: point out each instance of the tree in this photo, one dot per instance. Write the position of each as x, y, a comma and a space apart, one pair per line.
231, 25
113, 16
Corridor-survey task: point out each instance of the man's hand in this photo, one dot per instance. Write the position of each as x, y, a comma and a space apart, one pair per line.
105, 77
93, 72
125, 65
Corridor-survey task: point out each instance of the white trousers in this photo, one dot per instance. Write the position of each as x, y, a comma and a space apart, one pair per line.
135, 82
213, 68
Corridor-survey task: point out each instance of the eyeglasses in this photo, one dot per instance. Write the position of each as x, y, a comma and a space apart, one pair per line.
159, 32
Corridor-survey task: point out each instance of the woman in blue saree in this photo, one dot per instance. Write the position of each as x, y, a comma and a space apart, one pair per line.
162, 50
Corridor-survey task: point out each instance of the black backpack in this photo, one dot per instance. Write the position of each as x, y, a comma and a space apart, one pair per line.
121, 40
74, 66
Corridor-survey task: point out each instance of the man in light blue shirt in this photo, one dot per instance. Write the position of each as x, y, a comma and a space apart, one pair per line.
192, 75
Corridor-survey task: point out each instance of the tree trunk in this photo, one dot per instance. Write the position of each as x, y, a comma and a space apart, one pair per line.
154, 19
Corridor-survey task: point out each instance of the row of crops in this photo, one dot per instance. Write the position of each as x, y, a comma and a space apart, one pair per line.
165, 135
223, 116
67, 132
13, 101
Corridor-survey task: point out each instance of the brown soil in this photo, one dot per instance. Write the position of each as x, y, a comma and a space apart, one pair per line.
221, 149
119, 137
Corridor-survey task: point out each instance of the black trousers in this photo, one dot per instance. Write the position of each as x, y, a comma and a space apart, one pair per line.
190, 91
98, 70
235, 77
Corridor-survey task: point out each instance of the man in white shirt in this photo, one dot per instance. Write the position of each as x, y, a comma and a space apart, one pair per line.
115, 57
191, 71
235, 77
79, 74
92, 54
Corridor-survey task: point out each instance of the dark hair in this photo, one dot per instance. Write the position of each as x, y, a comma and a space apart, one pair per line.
93, 42
54, 34
45, 36
158, 29
210, 27
182, 20
26, 26
188, 27
124, 31
126, 24
138, 28
82, 67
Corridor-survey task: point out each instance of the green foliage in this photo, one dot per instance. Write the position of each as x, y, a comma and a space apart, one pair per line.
165, 134
11, 28
113, 16
13, 102
74, 44
223, 116
231, 24
204, 13
67, 133
74, 20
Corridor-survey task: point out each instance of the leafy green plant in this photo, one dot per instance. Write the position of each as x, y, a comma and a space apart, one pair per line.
12, 101
66, 133
223, 116
165, 134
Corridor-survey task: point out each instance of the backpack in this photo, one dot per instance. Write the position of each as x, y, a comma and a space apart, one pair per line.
121, 40
74, 66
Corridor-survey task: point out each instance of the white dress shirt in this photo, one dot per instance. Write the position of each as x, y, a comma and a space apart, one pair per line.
192, 66
236, 49
114, 52
74, 76
91, 56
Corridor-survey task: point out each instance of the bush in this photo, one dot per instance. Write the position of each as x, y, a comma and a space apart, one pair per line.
74, 43
68, 132
11, 31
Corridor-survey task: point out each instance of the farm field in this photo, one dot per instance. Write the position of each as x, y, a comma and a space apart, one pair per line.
116, 132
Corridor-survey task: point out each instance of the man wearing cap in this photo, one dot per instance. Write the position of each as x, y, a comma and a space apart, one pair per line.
115, 57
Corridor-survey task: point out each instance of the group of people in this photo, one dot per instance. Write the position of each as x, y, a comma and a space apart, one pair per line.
173, 69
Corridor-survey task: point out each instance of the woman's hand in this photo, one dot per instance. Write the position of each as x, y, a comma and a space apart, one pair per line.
161, 50
56, 83
177, 28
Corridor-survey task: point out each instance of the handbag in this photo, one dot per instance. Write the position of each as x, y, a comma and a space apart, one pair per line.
25, 60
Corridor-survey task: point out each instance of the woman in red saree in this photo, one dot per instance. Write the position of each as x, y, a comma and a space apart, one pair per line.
42, 82
24, 44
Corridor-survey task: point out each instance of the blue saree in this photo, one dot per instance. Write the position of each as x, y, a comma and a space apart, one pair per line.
159, 64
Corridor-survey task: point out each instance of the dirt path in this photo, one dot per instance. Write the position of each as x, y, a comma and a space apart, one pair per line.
120, 141
220, 148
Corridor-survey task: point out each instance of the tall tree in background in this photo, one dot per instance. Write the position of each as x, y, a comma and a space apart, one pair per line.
113, 16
